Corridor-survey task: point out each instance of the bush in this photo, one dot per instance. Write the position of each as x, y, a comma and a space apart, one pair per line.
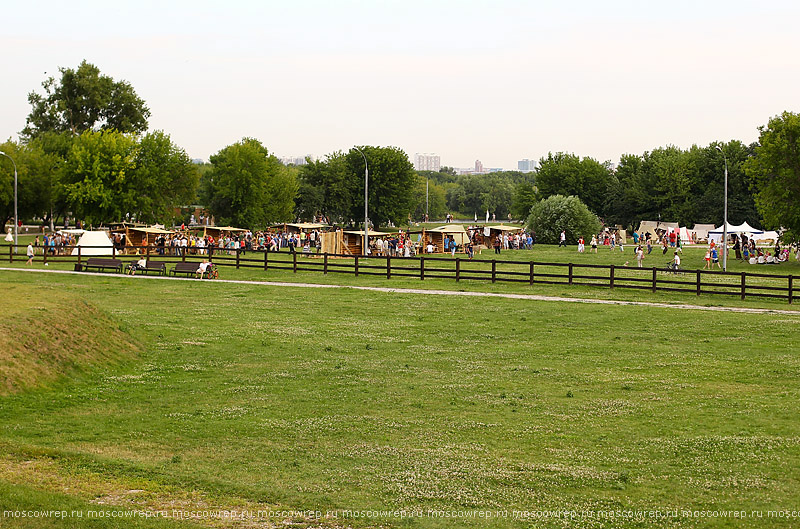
556, 213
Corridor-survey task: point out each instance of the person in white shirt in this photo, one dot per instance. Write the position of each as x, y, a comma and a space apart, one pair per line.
202, 268
30, 253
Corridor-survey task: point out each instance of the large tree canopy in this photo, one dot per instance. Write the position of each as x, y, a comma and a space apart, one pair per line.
83, 99
775, 173
335, 186
249, 187
566, 174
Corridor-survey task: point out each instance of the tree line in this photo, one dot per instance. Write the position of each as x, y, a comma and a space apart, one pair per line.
86, 151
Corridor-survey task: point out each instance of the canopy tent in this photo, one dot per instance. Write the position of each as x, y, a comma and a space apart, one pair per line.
71, 231
766, 236
701, 231
94, 243
742, 229
686, 237
655, 226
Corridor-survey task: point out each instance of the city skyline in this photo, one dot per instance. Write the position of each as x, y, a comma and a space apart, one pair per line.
500, 81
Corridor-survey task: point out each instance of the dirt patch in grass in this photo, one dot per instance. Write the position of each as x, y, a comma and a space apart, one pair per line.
46, 334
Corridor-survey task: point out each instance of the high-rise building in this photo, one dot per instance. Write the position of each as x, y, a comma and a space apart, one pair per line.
527, 165
427, 162
478, 166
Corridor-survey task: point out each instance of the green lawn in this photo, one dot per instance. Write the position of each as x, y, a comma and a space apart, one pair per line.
341, 399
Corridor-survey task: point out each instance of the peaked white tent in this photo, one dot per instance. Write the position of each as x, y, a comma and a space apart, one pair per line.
99, 239
744, 228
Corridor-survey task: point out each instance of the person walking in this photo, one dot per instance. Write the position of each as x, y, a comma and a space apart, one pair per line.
30, 254
594, 243
639, 255
562, 240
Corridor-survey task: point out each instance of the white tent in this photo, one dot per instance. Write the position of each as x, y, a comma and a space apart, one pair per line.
744, 228
766, 236
94, 238
686, 237
701, 231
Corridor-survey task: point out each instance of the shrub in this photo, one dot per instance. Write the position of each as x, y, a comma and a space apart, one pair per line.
553, 214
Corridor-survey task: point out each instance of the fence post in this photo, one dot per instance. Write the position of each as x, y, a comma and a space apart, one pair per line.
611, 278
325, 264
422, 268
11, 253
494, 270
791, 290
356, 268
531, 274
238, 251
113, 252
79, 256
45, 254
147, 253
654, 279
698, 282
266, 259
182, 251
570, 273
294, 262
744, 287
458, 269
388, 266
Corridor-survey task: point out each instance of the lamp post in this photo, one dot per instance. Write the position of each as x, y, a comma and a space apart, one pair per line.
366, 194
725, 216
16, 219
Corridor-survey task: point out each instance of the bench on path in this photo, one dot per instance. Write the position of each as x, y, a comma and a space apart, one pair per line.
160, 267
102, 264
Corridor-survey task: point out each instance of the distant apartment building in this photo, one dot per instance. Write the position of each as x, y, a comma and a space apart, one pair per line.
427, 162
296, 160
478, 167
527, 165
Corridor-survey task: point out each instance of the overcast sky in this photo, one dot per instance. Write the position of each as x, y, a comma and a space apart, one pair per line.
495, 80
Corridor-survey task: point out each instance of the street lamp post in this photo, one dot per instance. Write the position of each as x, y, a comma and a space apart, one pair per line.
725, 216
366, 194
16, 218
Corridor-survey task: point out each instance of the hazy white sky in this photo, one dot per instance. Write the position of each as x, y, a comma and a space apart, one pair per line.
494, 80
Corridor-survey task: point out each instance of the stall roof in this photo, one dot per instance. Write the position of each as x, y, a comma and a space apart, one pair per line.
450, 228
370, 233
157, 231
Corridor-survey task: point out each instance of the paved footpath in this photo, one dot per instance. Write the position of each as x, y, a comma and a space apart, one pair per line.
530, 297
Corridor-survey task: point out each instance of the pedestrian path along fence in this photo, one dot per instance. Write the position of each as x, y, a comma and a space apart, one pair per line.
742, 284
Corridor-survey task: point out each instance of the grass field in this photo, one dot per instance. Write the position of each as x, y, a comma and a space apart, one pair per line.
251, 397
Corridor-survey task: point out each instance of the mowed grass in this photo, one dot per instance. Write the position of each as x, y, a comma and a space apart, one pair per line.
341, 399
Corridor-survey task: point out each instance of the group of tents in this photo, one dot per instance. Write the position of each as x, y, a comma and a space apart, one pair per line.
705, 232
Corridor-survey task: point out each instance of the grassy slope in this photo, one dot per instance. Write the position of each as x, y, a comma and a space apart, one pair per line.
323, 399
45, 333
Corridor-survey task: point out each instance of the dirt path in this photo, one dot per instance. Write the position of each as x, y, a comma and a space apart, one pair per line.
531, 297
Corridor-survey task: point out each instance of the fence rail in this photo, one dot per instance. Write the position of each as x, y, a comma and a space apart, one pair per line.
742, 284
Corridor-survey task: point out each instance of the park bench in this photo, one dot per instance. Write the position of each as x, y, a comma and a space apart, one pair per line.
160, 267
102, 264
184, 268
191, 268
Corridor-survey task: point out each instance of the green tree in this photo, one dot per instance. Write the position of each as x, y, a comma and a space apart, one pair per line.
436, 199
556, 213
83, 99
525, 197
96, 181
391, 180
248, 187
328, 187
567, 174
163, 177
775, 173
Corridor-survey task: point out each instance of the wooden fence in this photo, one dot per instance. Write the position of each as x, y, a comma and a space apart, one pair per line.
741, 284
